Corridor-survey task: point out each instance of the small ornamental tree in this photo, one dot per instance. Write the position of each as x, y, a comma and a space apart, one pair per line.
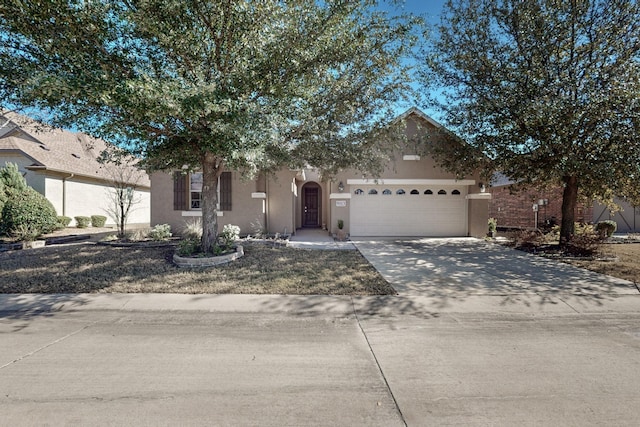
213, 84
545, 91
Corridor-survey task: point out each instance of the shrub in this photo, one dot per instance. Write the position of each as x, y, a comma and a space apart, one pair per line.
160, 232
27, 208
526, 239
98, 220
25, 233
585, 244
188, 246
492, 225
230, 233
63, 221
137, 235
12, 178
82, 221
606, 228
192, 229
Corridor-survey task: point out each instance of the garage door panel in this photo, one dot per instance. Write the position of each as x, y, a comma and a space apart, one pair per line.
408, 215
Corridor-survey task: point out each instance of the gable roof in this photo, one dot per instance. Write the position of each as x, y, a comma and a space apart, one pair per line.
57, 150
415, 111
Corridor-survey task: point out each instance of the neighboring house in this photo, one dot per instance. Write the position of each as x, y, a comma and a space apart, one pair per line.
627, 218
515, 209
63, 166
413, 197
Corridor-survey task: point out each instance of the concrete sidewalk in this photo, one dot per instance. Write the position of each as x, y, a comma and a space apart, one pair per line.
478, 335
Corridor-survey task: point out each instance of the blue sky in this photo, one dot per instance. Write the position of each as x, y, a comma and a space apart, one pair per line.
430, 11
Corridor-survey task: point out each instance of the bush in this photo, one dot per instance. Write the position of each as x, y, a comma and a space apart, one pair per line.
63, 221
526, 239
82, 221
606, 228
192, 229
30, 209
25, 233
160, 232
230, 233
12, 178
585, 244
98, 221
188, 246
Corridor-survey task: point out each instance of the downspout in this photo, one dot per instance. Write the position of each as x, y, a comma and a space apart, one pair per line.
64, 194
266, 205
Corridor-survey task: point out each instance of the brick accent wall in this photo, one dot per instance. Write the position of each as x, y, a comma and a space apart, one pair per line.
516, 210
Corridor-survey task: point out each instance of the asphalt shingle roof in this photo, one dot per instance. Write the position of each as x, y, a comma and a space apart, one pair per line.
57, 149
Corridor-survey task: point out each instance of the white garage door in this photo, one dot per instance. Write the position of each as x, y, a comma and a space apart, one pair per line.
403, 211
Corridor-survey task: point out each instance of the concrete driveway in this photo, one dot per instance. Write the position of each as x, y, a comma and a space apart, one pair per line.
444, 271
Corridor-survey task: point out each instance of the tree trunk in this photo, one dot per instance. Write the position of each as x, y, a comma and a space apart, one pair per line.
211, 170
569, 201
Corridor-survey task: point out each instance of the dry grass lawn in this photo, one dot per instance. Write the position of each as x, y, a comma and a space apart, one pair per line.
263, 270
626, 267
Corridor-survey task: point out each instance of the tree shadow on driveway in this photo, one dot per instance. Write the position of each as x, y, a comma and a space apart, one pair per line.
454, 270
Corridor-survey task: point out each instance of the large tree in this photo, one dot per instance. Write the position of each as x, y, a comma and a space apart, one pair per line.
546, 90
211, 84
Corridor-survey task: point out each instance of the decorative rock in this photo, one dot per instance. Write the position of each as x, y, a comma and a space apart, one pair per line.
33, 244
209, 261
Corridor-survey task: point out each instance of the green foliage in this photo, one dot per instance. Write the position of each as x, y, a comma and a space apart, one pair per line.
160, 232
98, 220
606, 228
82, 221
209, 85
492, 224
63, 221
188, 246
26, 209
12, 178
340, 224
25, 233
544, 92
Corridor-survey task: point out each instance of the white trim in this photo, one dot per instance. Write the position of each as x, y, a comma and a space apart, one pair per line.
419, 113
258, 195
411, 157
198, 213
340, 196
411, 182
478, 196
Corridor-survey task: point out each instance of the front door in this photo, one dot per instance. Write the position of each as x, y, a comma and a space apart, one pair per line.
311, 206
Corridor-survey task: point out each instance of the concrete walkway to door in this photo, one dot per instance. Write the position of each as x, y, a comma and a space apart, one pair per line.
444, 270
317, 238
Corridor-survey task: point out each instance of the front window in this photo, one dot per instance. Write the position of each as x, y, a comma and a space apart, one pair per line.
195, 190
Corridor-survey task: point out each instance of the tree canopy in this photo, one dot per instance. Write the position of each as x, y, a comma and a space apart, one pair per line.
544, 91
209, 85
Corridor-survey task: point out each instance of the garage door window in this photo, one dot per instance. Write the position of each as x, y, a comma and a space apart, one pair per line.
414, 191
428, 192
456, 192
442, 192
373, 191
400, 192
386, 192
359, 192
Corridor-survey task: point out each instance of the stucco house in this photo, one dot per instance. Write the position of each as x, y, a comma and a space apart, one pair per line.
412, 197
63, 166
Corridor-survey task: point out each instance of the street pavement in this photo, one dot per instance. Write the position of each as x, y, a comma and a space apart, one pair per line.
477, 335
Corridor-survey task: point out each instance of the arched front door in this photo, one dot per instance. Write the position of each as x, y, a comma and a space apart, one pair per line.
311, 205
